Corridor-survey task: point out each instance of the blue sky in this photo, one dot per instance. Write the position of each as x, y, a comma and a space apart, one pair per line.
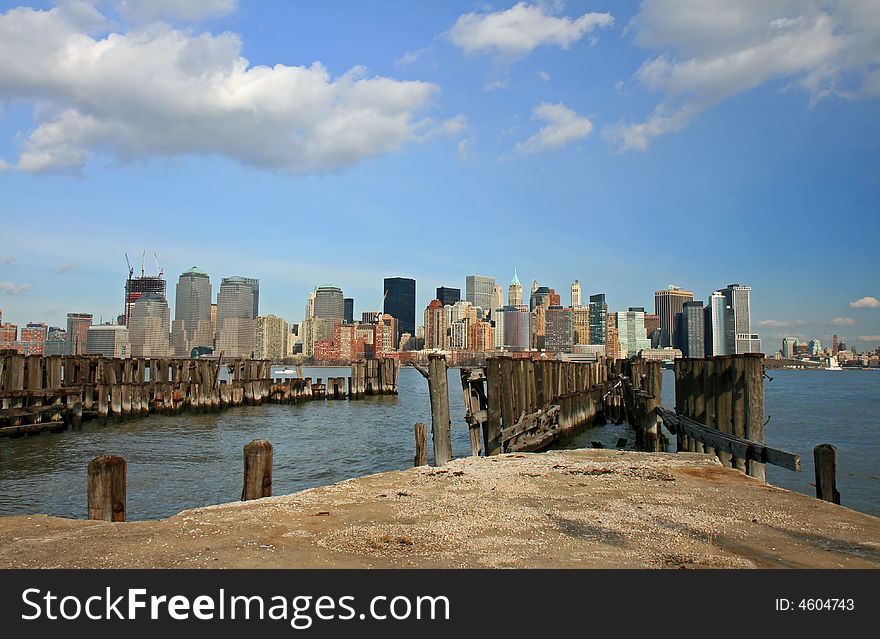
627, 145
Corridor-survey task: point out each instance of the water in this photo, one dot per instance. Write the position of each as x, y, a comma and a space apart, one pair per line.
190, 460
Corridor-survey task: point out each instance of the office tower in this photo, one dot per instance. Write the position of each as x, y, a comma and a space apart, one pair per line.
108, 340
666, 304
448, 296
738, 329
270, 338
330, 303
149, 326
137, 286
788, 346
56, 342
254, 283
400, 302
235, 321
214, 319
715, 325
652, 329
348, 314
516, 326
692, 325
435, 326
576, 294
33, 338
497, 300
558, 333
835, 345
478, 291
514, 291
631, 334
310, 304
814, 347
481, 337
598, 311
537, 327
535, 287
192, 313
580, 324
540, 296
77, 329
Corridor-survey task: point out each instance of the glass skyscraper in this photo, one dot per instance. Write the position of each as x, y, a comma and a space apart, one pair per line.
400, 302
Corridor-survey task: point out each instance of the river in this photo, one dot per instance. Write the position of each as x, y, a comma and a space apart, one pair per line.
184, 461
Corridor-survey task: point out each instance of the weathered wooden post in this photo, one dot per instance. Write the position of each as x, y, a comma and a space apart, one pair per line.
754, 408
106, 488
421, 458
438, 388
825, 459
492, 428
257, 470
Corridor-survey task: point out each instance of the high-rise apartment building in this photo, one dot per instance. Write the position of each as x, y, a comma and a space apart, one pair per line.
436, 327
514, 291
77, 330
478, 291
149, 326
448, 296
270, 338
400, 301
191, 327
666, 304
598, 324
235, 320
481, 338
109, 340
576, 294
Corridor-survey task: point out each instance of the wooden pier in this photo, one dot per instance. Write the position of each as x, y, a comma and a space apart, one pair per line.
52, 393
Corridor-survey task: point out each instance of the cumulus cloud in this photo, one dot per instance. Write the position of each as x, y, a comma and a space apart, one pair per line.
11, 289
160, 91
190, 10
707, 51
842, 321
772, 323
865, 302
521, 29
563, 126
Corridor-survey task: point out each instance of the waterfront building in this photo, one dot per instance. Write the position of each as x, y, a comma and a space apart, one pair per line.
691, 329
631, 334
788, 346
314, 330
270, 338
738, 327
666, 304
400, 302
448, 296
748, 343
598, 312
478, 291
435, 327
109, 340
580, 324
516, 327
462, 309
661, 354
235, 320
387, 339
814, 348
348, 313
514, 291
330, 303
192, 313
559, 330
576, 294
715, 325
149, 326
77, 329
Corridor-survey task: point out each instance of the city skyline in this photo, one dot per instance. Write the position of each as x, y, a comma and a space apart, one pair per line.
597, 152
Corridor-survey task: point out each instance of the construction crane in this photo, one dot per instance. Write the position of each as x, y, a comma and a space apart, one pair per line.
158, 268
381, 311
130, 270
143, 256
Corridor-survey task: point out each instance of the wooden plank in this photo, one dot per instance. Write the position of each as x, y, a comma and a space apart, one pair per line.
421, 458
541, 418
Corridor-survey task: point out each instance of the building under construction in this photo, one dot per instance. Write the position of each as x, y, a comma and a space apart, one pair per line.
137, 286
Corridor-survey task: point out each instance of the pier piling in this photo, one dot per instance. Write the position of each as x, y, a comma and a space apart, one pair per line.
106, 488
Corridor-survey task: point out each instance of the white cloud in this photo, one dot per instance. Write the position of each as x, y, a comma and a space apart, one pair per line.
544, 76
869, 338
842, 321
11, 289
563, 126
772, 323
711, 50
411, 57
189, 10
66, 267
521, 29
158, 91
866, 302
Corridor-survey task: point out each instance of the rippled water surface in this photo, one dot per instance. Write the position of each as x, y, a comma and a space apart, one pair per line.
184, 461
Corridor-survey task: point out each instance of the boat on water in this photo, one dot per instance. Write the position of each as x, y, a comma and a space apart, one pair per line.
285, 371
833, 365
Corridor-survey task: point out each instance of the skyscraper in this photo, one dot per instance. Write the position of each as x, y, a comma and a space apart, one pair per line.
192, 313
598, 311
514, 291
109, 340
739, 336
348, 315
516, 326
77, 330
497, 298
254, 283
666, 304
330, 303
137, 286
448, 296
435, 326
235, 320
715, 325
692, 327
478, 291
270, 338
149, 326
558, 332
576, 294
400, 301
631, 333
